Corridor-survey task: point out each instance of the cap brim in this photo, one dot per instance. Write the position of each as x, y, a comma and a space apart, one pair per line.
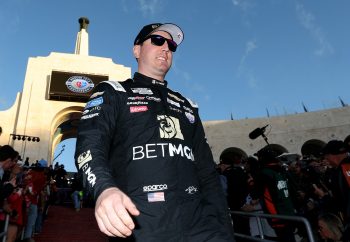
174, 30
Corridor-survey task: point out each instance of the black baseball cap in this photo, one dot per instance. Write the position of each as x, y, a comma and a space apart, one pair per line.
334, 147
267, 155
175, 32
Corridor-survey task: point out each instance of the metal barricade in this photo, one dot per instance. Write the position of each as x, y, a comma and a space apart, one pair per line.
3, 234
282, 217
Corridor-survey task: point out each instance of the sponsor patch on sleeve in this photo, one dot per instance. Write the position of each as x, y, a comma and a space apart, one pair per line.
116, 85
94, 102
96, 94
173, 102
176, 97
88, 116
84, 158
193, 104
190, 117
83, 164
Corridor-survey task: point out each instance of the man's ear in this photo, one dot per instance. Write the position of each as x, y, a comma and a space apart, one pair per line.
136, 51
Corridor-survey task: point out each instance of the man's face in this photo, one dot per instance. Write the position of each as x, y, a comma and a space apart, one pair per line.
154, 61
332, 160
324, 230
7, 164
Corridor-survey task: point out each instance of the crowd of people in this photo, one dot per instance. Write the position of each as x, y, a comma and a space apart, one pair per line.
314, 187
27, 191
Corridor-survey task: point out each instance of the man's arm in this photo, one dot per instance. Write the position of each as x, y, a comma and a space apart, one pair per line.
208, 176
95, 134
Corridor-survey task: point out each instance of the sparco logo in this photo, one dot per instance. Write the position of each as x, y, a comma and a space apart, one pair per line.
153, 188
169, 127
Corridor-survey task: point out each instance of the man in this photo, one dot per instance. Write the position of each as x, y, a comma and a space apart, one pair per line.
142, 151
273, 190
335, 153
8, 158
232, 168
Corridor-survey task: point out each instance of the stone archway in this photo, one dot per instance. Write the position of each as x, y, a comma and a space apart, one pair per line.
64, 126
55, 91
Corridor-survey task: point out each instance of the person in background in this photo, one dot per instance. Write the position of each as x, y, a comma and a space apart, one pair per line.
77, 188
8, 158
254, 206
13, 205
272, 188
330, 227
232, 169
142, 150
31, 198
41, 182
336, 154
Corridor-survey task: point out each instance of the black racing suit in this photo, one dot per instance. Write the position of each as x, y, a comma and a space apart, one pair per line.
148, 141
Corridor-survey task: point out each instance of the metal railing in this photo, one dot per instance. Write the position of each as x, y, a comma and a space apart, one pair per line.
3, 234
258, 217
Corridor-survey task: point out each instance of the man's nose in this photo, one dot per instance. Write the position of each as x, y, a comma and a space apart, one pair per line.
165, 47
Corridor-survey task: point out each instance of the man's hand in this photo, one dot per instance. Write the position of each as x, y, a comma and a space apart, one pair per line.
112, 212
318, 191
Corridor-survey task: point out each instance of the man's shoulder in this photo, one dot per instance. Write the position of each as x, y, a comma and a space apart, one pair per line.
119, 86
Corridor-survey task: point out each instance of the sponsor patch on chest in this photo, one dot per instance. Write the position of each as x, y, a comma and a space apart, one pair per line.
137, 109
155, 197
142, 91
169, 127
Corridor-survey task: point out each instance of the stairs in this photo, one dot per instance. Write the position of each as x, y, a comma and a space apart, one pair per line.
64, 224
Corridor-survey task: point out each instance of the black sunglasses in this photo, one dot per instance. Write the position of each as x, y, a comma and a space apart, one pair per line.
160, 40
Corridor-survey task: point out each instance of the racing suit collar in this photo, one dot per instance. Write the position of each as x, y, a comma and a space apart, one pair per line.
138, 77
